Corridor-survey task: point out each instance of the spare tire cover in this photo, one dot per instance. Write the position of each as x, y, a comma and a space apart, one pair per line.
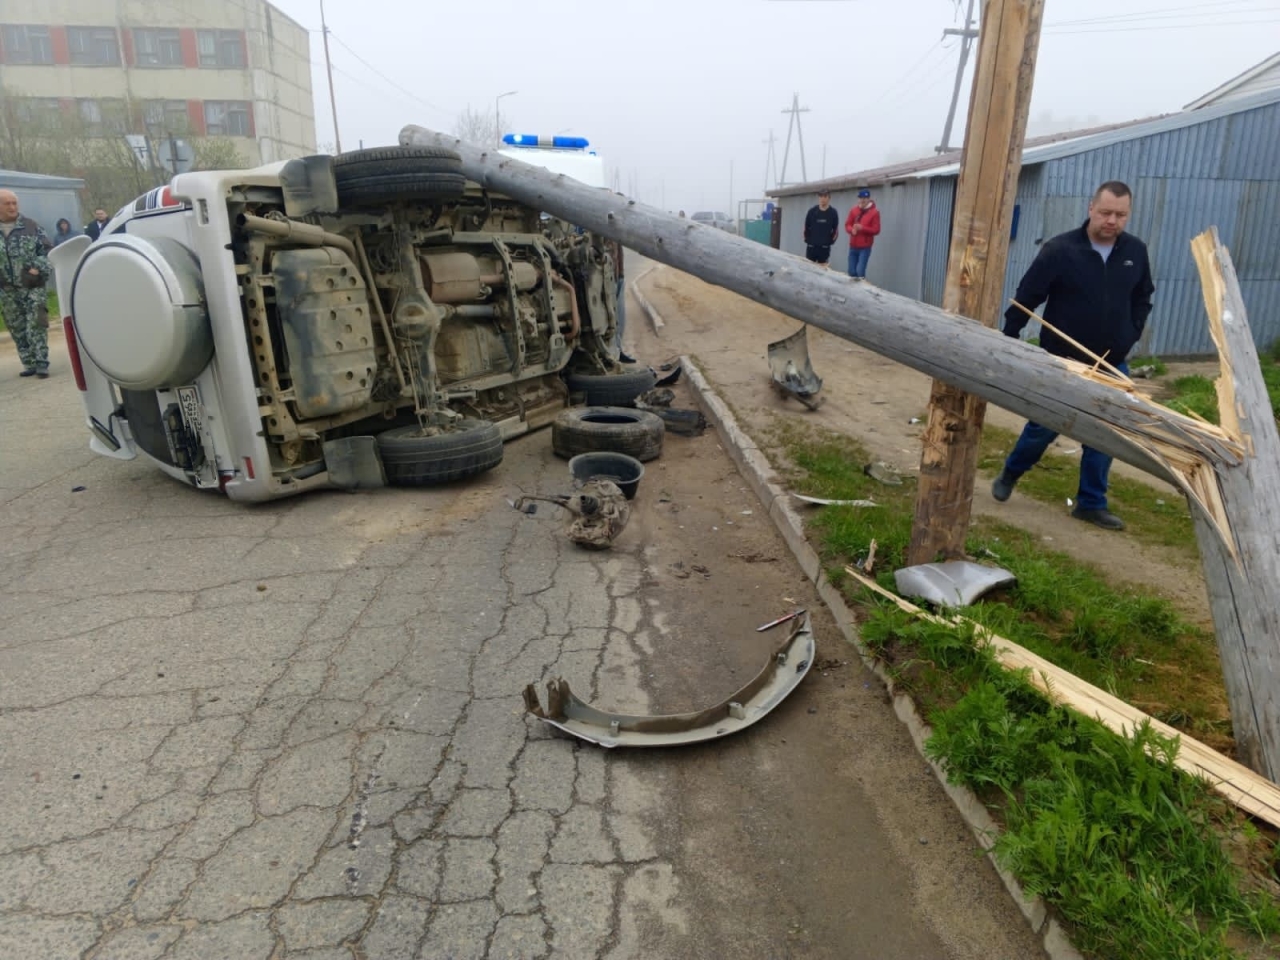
139, 311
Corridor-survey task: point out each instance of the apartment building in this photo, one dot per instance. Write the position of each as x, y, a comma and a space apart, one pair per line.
239, 69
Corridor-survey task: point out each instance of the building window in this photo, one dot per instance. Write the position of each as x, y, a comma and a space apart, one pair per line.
39, 114
220, 48
24, 44
157, 48
226, 118
93, 46
90, 117
165, 117
103, 118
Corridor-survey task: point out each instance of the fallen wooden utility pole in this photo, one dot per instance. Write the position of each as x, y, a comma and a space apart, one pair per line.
992, 159
1236, 525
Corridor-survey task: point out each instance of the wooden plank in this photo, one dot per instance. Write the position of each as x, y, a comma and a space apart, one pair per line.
988, 183
1246, 789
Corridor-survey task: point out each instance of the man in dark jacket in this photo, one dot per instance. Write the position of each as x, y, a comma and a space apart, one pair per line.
820, 226
1097, 281
94, 230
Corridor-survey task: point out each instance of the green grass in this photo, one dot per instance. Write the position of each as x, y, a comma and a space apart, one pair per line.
1196, 394
1128, 850
1105, 828
1151, 516
1117, 637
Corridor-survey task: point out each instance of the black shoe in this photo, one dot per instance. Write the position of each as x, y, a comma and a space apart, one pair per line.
623, 358
1003, 485
1099, 518
42, 373
28, 372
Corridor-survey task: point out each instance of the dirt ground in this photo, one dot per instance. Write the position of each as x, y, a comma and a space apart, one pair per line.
874, 399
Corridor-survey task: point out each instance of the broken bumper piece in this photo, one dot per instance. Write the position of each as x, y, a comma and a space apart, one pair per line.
786, 667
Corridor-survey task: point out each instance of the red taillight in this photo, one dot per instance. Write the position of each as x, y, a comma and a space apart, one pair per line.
248, 467
73, 351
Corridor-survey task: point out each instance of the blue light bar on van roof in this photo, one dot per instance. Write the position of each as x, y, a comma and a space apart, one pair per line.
531, 140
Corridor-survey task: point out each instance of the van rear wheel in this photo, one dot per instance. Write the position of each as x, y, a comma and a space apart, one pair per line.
413, 460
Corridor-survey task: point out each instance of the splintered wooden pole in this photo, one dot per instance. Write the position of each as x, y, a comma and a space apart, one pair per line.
992, 159
1243, 569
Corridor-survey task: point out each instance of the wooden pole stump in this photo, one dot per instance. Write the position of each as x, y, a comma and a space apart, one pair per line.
1007, 42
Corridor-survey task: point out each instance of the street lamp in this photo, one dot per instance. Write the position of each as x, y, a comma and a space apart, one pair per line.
497, 116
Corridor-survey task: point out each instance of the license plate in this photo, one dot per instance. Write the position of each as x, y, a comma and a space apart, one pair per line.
189, 401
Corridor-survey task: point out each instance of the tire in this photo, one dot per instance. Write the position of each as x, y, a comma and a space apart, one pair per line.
412, 460
384, 174
637, 433
612, 390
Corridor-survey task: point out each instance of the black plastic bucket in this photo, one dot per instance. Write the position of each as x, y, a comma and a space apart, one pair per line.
623, 470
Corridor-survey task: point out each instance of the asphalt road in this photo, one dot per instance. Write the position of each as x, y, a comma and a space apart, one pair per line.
295, 730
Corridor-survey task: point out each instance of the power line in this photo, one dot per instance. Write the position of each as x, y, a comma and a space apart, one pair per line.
937, 71
388, 80
893, 92
1167, 26
1164, 13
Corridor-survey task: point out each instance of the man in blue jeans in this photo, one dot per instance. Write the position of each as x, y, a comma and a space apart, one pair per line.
863, 226
1097, 281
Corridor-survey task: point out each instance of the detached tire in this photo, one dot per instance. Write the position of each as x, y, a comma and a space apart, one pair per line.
412, 460
384, 174
637, 433
612, 390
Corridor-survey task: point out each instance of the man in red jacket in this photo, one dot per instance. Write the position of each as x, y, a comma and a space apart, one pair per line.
862, 225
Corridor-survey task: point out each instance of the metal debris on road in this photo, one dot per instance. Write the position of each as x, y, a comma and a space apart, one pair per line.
783, 619
792, 371
672, 368
822, 502
956, 583
600, 513
657, 397
782, 673
883, 473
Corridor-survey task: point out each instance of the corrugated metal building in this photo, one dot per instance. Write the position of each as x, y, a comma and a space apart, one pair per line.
1258, 78
46, 199
1216, 165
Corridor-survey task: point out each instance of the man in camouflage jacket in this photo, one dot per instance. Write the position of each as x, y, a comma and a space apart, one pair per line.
24, 271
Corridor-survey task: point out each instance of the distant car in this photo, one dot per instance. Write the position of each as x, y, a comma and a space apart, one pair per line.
721, 221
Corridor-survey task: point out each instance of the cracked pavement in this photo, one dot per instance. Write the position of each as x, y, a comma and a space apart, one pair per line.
295, 730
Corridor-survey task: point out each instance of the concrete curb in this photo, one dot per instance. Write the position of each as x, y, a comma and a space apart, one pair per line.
755, 467
653, 315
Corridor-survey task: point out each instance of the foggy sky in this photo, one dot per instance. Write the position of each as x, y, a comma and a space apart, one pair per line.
674, 92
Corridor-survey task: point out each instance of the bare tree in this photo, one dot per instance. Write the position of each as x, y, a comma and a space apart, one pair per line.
218, 153
36, 136
476, 126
